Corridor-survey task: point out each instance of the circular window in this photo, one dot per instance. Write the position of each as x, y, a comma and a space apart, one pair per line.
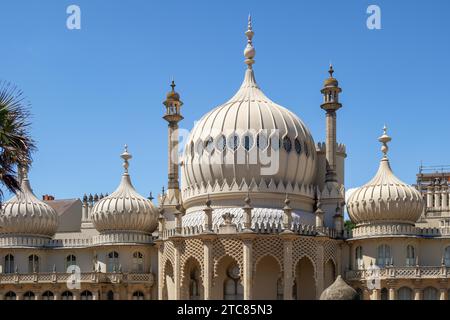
261, 141
233, 142
221, 143
209, 145
298, 146
199, 147
247, 141
287, 144
275, 142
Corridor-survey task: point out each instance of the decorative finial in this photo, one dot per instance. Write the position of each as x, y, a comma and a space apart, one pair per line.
249, 52
384, 139
331, 70
173, 85
125, 156
150, 197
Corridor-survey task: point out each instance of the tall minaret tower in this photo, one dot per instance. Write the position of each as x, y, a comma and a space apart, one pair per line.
172, 116
331, 104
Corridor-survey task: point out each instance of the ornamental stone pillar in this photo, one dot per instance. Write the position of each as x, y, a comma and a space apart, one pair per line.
319, 269
392, 293
177, 268
160, 246
208, 267
443, 294
417, 294
247, 243
376, 294
288, 277
56, 295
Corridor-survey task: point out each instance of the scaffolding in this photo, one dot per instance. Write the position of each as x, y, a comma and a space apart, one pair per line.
432, 174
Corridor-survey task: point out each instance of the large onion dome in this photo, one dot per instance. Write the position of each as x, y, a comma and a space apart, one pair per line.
385, 199
125, 210
249, 142
339, 290
25, 215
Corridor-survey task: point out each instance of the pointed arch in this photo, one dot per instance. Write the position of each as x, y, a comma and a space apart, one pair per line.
305, 279
267, 277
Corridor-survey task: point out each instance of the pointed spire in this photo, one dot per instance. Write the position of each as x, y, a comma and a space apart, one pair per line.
125, 156
384, 139
249, 52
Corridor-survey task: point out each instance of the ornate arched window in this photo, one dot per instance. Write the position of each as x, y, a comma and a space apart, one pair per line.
233, 141
48, 295
447, 256
261, 141
287, 144
233, 289
384, 294
138, 295
67, 295
110, 295
221, 143
298, 146
209, 144
29, 295
113, 261
138, 262
410, 256
71, 260
9, 263
194, 284
86, 295
247, 141
359, 257
384, 257
33, 263
430, 293
405, 293
275, 142
10, 295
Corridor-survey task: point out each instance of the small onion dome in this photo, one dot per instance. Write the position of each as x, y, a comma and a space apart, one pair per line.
125, 209
173, 95
330, 82
339, 290
26, 215
385, 199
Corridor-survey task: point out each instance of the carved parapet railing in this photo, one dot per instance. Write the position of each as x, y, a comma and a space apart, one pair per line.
84, 277
399, 273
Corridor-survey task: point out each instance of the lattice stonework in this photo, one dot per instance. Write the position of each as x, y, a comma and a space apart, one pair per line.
268, 245
191, 249
168, 254
304, 247
227, 247
330, 249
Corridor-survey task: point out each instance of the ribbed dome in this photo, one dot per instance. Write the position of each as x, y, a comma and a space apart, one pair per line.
385, 199
125, 209
26, 215
339, 290
233, 142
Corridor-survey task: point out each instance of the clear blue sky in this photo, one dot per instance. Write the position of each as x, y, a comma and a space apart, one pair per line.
95, 89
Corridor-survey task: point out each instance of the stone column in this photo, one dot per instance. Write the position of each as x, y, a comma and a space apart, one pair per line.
319, 269
56, 295
177, 268
417, 294
376, 294
444, 196
443, 294
160, 246
430, 196
392, 293
288, 274
208, 267
247, 243
330, 151
95, 294
437, 196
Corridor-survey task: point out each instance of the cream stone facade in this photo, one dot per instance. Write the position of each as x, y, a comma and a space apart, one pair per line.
254, 209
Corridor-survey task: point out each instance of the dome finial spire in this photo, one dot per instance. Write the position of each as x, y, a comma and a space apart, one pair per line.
384, 139
249, 51
125, 156
331, 70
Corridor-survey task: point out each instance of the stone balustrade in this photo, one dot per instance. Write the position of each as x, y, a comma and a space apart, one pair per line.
420, 272
85, 277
